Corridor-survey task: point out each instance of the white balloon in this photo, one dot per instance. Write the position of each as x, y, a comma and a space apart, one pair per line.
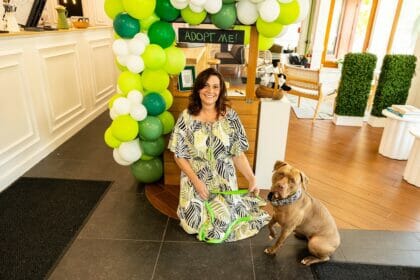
285, 1
256, 1
112, 114
195, 8
120, 47
143, 37
136, 46
138, 112
246, 12
179, 4
135, 63
269, 10
135, 96
198, 2
130, 151
304, 6
122, 59
213, 6
121, 106
118, 158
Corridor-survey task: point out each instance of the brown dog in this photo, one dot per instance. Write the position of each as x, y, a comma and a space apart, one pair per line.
297, 211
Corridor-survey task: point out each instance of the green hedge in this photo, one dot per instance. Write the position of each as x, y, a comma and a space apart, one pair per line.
355, 84
394, 81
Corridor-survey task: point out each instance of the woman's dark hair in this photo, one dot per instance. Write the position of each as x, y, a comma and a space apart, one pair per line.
194, 107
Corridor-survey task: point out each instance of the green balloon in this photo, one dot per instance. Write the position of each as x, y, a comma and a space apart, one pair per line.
150, 128
153, 148
168, 121
139, 9
289, 12
175, 60
128, 81
147, 22
155, 80
193, 18
126, 26
110, 140
145, 157
264, 43
167, 96
113, 8
154, 56
166, 11
161, 33
268, 29
147, 171
124, 128
226, 17
154, 103
228, 1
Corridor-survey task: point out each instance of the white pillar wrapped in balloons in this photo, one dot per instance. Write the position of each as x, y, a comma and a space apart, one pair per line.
145, 53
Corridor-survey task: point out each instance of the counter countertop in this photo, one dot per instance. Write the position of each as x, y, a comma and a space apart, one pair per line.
48, 32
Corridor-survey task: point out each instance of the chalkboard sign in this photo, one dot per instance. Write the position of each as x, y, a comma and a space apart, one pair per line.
214, 36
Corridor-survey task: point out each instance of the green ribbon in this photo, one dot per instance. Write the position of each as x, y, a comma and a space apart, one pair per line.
203, 229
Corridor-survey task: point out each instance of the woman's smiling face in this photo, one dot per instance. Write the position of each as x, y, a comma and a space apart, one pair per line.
211, 91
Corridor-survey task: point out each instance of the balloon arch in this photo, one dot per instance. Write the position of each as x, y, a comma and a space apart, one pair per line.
147, 56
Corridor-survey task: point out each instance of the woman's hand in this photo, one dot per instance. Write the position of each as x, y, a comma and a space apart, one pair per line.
252, 187
201, 189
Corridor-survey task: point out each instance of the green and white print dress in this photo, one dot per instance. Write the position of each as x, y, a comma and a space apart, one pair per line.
209, 148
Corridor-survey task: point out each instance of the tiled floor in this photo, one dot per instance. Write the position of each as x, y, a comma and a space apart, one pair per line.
126, 238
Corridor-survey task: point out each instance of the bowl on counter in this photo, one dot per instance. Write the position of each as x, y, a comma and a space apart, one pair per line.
80, 22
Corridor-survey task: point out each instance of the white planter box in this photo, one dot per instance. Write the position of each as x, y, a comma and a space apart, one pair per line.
376, 121
347, 120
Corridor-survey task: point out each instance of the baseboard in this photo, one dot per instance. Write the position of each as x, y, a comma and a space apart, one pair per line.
23, 164
376, 121
347, 120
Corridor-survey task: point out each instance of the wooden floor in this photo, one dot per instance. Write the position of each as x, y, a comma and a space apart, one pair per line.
361, 188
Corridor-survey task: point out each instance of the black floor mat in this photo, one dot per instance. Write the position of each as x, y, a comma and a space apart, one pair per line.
352, 271
38, 219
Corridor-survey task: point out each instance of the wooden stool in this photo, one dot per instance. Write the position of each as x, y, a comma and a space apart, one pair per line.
213, 62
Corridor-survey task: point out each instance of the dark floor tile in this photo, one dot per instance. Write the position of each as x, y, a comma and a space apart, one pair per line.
284, 265
55, 168
379, 239
262, 238
107, 259
125, 216
182, 260
174, 232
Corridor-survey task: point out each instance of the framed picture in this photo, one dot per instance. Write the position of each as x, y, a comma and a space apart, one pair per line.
186, 78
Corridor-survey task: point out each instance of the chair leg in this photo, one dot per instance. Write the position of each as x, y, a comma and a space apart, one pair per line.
318, 106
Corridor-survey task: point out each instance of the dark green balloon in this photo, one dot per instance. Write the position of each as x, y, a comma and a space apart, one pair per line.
228, 1
161, 33
147, 171
150, 128
226, 17
166, 11
153, 148
154, 103
126, 26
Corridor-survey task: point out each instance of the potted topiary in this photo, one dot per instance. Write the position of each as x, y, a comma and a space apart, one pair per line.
354, 88
393, 85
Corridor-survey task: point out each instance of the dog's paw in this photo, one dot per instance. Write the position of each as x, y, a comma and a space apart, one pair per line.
311, 260
270, 251
272, 236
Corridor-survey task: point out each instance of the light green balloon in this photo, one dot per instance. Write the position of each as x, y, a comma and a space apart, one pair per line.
246, 29
128, 81
268, 29
175, 60
146, 157
124, 128
110, 140
155, 80
264, 43
140, 9
154, 56
289, 12
113, 8
145, 23
167, 96
193, 18
167, 120
115, 96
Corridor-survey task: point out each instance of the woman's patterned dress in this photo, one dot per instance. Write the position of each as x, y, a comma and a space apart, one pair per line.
209, 148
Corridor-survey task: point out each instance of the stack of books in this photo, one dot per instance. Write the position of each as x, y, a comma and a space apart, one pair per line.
404, 110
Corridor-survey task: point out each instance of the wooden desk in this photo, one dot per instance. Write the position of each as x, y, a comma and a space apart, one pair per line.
196, 56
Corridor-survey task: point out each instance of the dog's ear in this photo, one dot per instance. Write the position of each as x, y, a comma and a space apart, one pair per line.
278, 164
304, 179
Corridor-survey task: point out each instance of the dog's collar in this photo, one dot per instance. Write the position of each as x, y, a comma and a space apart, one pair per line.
286, 201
